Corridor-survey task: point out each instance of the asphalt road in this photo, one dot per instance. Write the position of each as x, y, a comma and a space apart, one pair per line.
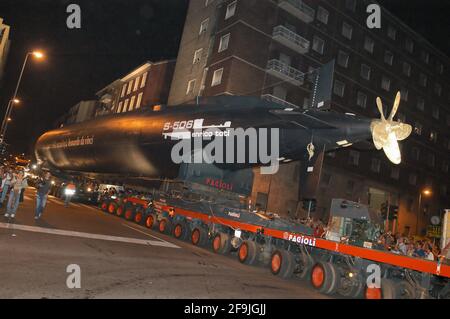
119, 259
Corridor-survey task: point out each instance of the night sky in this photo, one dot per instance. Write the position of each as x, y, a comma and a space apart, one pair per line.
116, 36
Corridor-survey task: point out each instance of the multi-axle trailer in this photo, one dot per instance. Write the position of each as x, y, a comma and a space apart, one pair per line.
287, 247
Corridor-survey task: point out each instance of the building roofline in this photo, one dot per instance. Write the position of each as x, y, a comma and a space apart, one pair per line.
142, 68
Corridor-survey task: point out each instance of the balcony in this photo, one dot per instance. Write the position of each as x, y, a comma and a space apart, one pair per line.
290, 39
285, 72
277, 100
298, 9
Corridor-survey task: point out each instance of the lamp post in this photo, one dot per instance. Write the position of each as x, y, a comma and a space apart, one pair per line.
37, 55
426, 192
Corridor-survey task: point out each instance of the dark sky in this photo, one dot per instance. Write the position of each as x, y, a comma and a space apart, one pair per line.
116, 36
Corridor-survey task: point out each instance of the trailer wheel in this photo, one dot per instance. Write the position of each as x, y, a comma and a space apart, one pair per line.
139, 217
221, 243
248, 252
324, 278
404, 290
119, 211
180, 231
104, 206
165, 226
129, 213
282, 263
387, 290
199, 236
351, 288
150, 221
112, 208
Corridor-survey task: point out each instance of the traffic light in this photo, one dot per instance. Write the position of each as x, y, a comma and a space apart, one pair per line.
383, 210
393, 212
309, 205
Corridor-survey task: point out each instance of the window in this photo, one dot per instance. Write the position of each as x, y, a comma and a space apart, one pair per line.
395, 173
136, 84
224, 41
322, 15
376, 165
217, 77
133, 98
406, 69
361, 99
412, 179
191, 87
353, 158
423, 80
415, 153
347, 30
119, 109
204, 26
440, 68
435, 112
388, 57
404, 94
438, 89
350, 5
433, 136
425, 56
139, 100
409, 45
318, 45
392, 33
124, 89
197, 56
125, 106
418, 128
231, 10
343, 58
339, 88
144, 79
130, 86
421, 104
385, 83
365, 71
369, 44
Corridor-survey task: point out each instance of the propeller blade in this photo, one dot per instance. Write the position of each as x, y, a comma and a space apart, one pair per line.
402, 131
396, 105
392, 150
380, 108
379, 134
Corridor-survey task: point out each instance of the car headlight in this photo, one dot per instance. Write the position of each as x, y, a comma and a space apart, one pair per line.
69, 191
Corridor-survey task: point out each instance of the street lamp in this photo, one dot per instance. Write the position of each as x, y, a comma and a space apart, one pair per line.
36, 54
426, 192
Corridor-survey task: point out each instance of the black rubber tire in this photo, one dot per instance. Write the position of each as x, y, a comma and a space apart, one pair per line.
127, 215
139, 212
112, 210
252, 252
330, 282
224, 247
147, 223
287, 263
404, 290
165, 226
117, 211
202, 236
104, 208
353, 289
184, 234
388, 289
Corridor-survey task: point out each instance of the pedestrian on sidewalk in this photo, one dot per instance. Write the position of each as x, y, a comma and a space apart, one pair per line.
7, 180
43, 187
19, 183
69, 192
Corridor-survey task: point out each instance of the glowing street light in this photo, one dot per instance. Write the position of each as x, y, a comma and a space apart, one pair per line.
39, 55
425, 192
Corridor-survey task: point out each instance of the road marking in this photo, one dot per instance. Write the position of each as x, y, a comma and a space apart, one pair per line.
143, 232
69, 233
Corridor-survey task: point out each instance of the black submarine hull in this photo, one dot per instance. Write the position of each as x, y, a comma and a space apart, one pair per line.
139, 143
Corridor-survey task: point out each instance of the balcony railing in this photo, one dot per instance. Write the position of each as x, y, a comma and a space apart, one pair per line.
277, 100
299, 9
290, 39
285, 72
